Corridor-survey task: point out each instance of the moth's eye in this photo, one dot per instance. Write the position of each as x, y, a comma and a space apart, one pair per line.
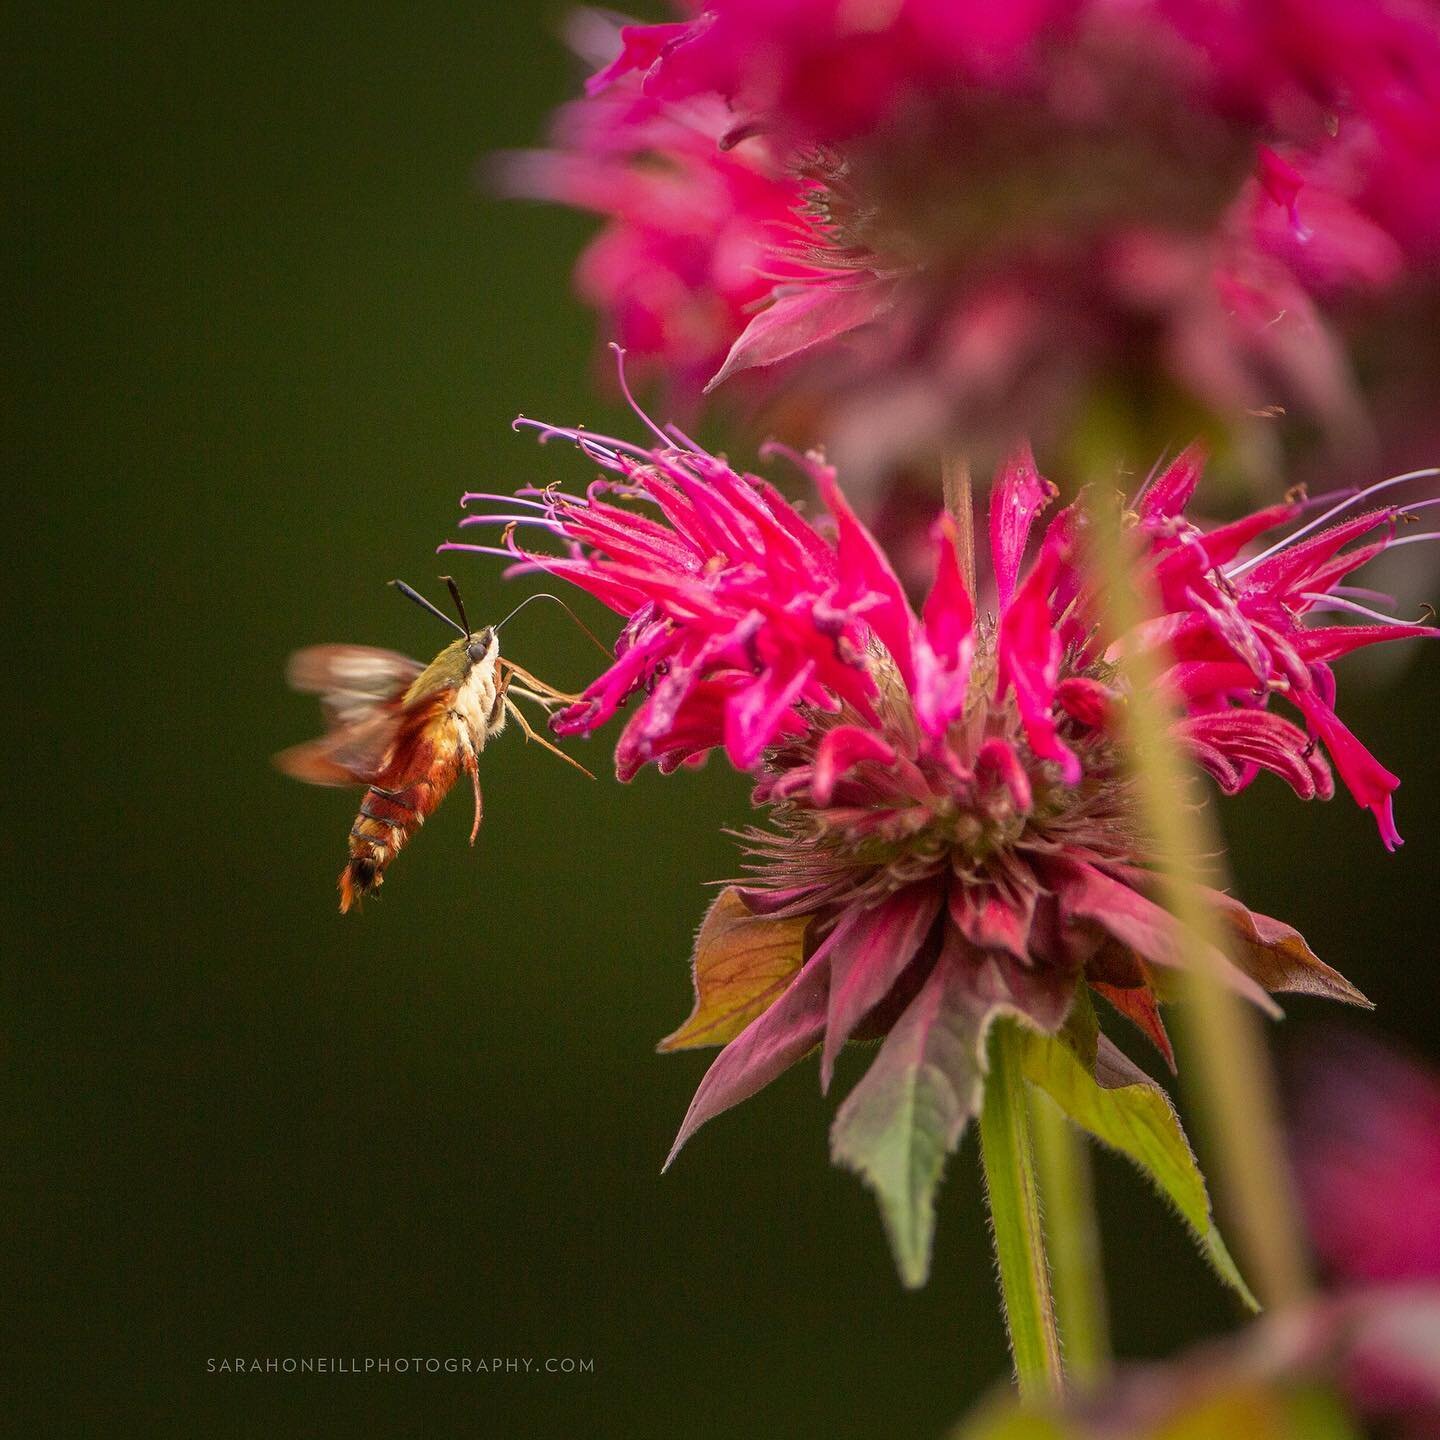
478, 647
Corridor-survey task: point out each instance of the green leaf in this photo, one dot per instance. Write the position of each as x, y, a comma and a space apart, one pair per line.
907, 1114
743, 963
1124, 1108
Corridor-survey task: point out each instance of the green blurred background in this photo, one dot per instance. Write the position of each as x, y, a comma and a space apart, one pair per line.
271, 328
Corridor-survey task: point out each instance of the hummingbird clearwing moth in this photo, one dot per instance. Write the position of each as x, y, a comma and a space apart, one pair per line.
406, 731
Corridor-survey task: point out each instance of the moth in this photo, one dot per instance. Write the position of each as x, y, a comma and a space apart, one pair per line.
406, 731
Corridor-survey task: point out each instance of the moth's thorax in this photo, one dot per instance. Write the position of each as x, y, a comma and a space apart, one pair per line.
478, 703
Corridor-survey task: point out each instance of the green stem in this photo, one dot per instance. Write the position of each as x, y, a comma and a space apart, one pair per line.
1015, 1219
1232, 1066
1073, 1236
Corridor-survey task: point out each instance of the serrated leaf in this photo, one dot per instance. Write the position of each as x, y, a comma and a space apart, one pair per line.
742, 965
907, 1114
1124, 1108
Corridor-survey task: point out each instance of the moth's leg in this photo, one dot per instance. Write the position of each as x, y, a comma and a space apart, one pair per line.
549, 702
540, 685
530, 734
474, 770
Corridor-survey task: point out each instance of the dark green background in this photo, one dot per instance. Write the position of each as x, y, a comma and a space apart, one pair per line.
271, 328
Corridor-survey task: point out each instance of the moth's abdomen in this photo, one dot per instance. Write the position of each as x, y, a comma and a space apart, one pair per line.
379, 833
418, 775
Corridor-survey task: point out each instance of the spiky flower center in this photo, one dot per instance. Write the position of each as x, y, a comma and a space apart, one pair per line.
978, 809
1097, 142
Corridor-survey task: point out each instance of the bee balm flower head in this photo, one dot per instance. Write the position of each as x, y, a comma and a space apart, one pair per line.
991, 208
952, 831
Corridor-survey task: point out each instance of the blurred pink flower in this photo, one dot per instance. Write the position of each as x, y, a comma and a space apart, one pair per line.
696, 235
1366, 1126
978, 213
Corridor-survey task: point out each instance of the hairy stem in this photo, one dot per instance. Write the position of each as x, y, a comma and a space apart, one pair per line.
1072, 1233
1009, 1165
1230, 1060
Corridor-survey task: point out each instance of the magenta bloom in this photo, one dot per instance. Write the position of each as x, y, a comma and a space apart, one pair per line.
953, 834
1367, 1158
987, 205
696, 235
1366, 1146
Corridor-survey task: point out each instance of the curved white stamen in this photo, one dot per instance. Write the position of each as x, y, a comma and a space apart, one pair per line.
552, 493
516, 499
544, 524
631, 401
1335, 602
676, 433
475, 549
605, 448
1420, 505
1413, 539
1235, 571
1361, 592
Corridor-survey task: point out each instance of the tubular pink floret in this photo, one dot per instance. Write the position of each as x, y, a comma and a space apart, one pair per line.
746, 627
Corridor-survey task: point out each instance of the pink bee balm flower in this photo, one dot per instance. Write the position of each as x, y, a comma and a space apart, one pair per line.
1366, 1146
954, 834
990, 208
1367, 1158
695, 235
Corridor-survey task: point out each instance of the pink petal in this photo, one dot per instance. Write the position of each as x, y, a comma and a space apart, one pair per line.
764, 1050
996, 763
803, 316
1257, 738
755, 716
1225, 542
1363, 775
1086, 700
1020, 494
868, 950
1169, 494
1331, 642
866, 575
1028, 660
640, 47
843, 748
949, 613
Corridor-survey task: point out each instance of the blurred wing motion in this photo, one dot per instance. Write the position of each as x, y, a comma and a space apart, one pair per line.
387, 733
362, 694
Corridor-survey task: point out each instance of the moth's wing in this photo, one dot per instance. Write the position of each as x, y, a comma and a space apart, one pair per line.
360, 691
352, 681
349, 755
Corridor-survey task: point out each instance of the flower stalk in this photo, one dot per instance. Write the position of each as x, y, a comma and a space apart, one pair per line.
1231, 1070
1072, 1235
1008, 1157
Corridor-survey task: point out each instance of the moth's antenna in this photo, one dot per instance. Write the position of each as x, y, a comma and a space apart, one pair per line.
410, 593
454, 590
545, 595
